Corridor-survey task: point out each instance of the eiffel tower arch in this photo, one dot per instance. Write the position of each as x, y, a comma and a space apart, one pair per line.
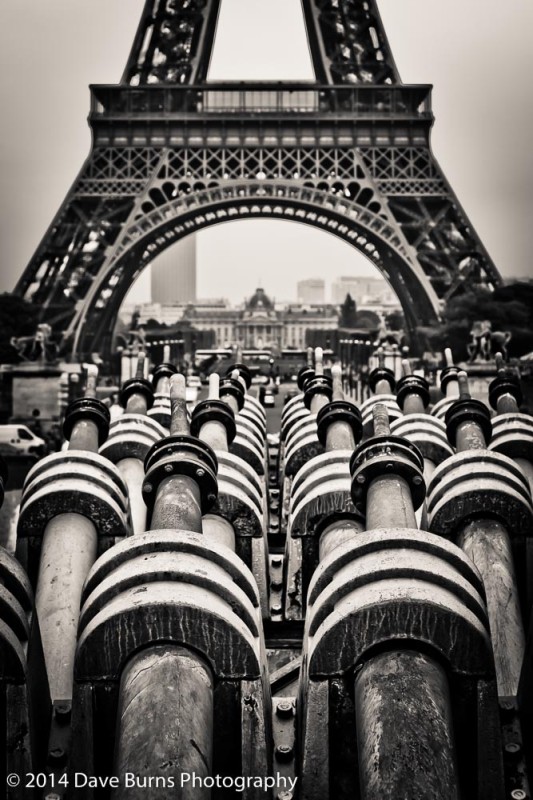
172, 153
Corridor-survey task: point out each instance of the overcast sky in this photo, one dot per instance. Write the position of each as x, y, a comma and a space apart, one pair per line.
477, 54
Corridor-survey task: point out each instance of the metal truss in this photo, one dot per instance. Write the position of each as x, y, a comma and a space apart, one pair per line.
178, 158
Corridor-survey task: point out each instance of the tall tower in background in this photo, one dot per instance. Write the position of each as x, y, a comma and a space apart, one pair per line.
174, 274
311, 290
362, 289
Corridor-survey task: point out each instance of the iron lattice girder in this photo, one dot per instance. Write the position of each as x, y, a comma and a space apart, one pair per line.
348, 42
174, 42
410, 171
120, 187
356, 144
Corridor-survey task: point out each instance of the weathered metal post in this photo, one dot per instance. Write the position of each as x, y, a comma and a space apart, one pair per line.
449, 385
479, 497
321, 513
169, 617
382, 383
384, 611
130, 437
70, 498
161, 375
427, 432
512, 431
339, 424
167, 688
404, 691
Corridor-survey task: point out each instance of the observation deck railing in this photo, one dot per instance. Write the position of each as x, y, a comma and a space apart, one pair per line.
412, 101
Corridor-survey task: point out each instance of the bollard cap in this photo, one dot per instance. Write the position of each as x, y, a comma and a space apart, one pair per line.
319, 384
467, 410
213, 410
385, 454
87, 409
447, 375
381, 374
138, 386
234, 388
244, 373
164, 370
339, 411
505, 383
180, 454
412, 384
304, 374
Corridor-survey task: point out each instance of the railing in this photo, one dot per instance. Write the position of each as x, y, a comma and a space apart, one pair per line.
282, 98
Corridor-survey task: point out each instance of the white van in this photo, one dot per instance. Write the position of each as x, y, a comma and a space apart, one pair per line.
20, 438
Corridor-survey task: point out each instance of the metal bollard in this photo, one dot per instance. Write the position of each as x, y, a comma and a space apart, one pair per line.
479, 498
70, 499
512, 435
384, 611
237, 518
161, 375
449, 385
390, 467
428, 433
149, 676
130, 437
512, 432
382, 382
321, 512
168, 620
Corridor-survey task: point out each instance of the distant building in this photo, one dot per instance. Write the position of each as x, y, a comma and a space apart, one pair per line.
311, 291
258, 323
174, 274
365, 291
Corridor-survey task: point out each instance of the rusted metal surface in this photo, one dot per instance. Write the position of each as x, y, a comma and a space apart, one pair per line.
178, 505
487, 544
166, 689
405, 729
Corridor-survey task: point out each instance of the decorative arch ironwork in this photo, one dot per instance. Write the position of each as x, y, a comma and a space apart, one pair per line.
153, 231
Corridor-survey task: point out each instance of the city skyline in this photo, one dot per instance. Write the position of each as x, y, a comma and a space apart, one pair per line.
487, 161
335, 291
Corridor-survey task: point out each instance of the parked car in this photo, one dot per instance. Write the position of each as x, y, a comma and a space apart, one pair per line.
269, 399
21, 439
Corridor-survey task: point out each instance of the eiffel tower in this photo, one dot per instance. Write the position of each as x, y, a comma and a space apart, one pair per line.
172, 153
